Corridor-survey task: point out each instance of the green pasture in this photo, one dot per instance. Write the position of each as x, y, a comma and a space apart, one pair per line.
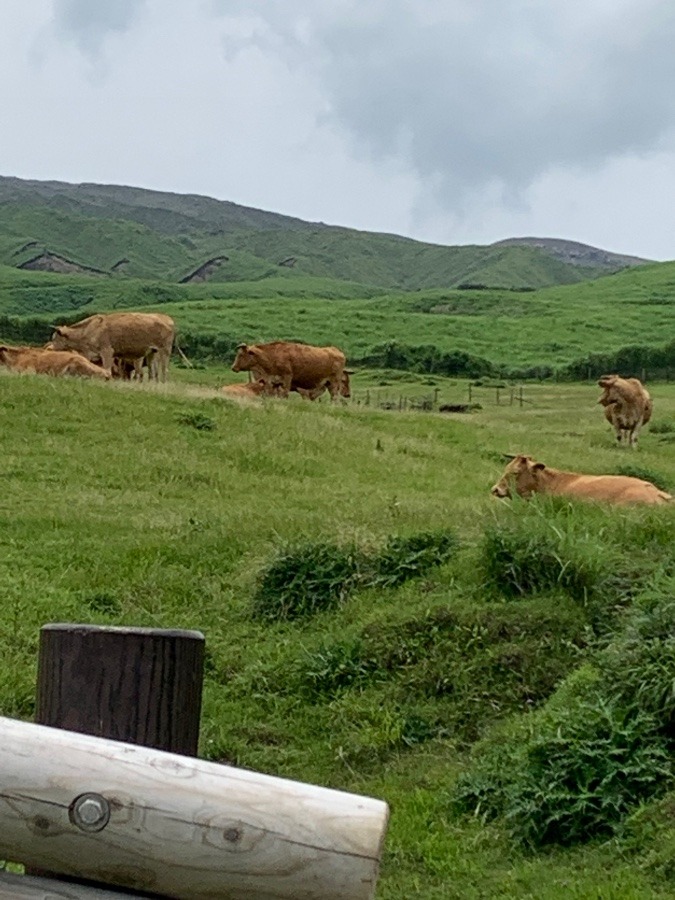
164, 505
628, 316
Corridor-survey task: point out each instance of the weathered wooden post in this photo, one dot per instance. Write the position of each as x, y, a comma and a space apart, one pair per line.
142, 819
140, 685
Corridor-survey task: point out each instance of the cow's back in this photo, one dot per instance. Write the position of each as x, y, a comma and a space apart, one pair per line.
307, 363
131, 334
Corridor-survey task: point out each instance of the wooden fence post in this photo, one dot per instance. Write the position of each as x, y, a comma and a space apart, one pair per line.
138, 685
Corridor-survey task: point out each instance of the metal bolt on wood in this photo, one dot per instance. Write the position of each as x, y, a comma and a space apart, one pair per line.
90, 812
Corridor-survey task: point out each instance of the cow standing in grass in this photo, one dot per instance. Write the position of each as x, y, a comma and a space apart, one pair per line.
628, 406
299, 367
526, 477
128, 335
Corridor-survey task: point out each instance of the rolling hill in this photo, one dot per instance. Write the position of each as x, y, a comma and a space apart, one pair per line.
119, 232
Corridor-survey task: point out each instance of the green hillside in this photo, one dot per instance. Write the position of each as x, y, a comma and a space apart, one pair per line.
447, 627
129, 232
620, 322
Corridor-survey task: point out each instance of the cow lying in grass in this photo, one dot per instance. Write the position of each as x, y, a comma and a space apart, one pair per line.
527, 477
252, 389
50, 362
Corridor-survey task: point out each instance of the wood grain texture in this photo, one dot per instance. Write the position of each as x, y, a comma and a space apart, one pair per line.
23, 887
179, 827
138, 685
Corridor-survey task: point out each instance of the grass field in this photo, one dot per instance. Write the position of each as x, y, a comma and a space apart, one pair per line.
163, 506
511, 331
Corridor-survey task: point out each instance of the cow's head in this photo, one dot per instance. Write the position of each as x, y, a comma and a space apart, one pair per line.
345, 385
522, 475
60, 338
245, 358
5, 353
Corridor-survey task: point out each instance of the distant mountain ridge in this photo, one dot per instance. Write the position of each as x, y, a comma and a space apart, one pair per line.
575, 253
121, 232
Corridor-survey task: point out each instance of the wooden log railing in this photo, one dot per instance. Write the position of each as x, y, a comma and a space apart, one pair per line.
184, 828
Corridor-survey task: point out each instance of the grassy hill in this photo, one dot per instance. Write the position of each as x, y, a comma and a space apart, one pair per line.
623, 321
467, 624
131, 232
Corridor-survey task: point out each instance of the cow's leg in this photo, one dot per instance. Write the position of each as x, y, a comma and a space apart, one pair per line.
107, 357
334, 388
138, 369
633, 436
159, 367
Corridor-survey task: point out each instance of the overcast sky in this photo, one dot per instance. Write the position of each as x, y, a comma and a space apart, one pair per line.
451, 121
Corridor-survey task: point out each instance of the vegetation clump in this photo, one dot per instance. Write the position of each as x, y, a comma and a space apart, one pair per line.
314, 577
601, 746
304, 579
405, 557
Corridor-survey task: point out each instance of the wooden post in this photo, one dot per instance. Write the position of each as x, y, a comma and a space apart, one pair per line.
140, 685
184, 828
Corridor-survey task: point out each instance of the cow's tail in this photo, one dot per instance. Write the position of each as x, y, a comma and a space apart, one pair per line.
183, 357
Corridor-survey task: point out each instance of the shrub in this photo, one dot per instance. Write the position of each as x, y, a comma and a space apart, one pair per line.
197, 420
403, 558
572, 772
640, 663
305, 579
312, 577
519, 562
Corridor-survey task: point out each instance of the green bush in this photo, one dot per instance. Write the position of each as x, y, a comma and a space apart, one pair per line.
640, 663
197, 420
403, 558
312, 577
662, 427
305, 579
573, 772
519, 561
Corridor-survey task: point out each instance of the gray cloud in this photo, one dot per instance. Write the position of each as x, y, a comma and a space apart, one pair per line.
482, 93
89, 22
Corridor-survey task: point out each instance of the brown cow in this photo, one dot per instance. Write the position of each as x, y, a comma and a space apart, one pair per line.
528, 477
345, 387
126, 334
628, 406
253, 389
50, 362
298, 366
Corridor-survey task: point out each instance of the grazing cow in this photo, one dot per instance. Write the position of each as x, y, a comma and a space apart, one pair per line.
297, 366
50, 362
252, 389
628, 406
528, 477
130, 335
315, 392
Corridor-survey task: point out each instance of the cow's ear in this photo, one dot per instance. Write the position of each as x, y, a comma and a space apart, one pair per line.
538, 467
58, 329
